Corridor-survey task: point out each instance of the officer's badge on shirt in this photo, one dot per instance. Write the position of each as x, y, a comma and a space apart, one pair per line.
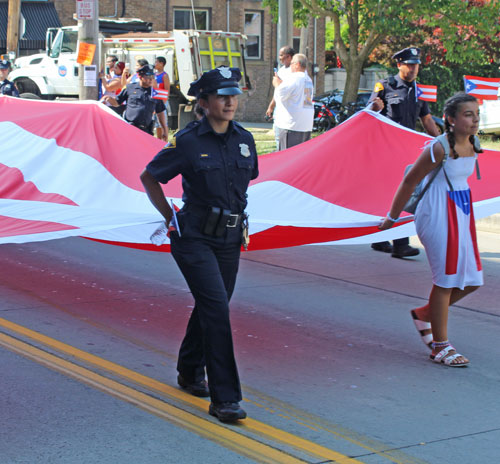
378, 87
225, 72
244, 150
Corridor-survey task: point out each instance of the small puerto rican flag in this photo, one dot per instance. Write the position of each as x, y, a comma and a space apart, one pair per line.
427, 92
484, 88
159, 94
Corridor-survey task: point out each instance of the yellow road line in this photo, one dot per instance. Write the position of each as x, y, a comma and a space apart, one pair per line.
251, 425
225, 436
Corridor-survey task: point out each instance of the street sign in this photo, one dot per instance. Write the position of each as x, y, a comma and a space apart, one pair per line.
85, 9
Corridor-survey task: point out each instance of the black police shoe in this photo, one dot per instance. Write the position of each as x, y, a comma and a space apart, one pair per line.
194, 388
227, 412
405, 252
385, 247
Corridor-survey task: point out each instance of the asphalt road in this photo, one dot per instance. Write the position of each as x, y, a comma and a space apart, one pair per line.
331, 365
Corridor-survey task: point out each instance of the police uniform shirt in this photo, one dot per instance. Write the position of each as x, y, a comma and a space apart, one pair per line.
8, 88
216, 168
140, 104
400, 103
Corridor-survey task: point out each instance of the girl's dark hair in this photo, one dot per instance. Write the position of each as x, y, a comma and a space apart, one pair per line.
450, 109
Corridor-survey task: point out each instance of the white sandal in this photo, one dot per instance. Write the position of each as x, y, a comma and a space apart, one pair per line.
421, 327
444, 357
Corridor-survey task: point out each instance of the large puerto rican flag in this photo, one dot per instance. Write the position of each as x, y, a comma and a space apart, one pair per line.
72, 169
484, 88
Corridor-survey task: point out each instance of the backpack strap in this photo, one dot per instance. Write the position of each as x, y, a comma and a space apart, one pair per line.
443, 140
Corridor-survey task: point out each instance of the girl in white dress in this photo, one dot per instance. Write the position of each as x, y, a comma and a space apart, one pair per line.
445, 225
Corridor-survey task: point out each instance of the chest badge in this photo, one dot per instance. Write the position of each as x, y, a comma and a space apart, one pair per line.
244, 150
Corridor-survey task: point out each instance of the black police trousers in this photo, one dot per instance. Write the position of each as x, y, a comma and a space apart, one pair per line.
210, 268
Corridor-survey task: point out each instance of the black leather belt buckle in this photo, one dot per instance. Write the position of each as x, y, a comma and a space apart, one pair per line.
233, 220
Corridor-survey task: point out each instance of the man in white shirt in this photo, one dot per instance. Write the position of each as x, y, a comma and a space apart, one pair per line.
285, 56
294, 112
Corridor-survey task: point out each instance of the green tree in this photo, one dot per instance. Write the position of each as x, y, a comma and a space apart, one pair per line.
362, 25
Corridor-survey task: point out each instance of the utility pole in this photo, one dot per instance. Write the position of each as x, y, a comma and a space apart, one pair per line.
285, 24
87, 13
13, 26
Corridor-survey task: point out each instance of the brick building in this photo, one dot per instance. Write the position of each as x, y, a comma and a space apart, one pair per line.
246, 16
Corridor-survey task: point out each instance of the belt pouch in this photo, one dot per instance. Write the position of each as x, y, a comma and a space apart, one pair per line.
223, 220
211, 220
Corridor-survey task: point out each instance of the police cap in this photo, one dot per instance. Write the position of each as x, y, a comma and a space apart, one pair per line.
146, 70
410, 55
222, 81
4, 64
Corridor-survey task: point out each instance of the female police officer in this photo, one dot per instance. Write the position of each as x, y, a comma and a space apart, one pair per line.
217, 159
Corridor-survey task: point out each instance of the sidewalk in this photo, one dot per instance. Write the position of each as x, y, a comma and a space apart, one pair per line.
489, 224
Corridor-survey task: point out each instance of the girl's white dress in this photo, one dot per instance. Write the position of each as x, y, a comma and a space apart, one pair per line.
445, 225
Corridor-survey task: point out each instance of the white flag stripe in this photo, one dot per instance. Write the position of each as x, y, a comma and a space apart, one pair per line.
81, 217
487, 83
483, 92
60, 164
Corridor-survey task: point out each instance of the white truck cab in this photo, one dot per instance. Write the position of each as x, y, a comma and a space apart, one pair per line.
53, 73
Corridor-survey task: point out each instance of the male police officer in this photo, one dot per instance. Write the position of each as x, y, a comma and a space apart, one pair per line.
6, 87
141, 103
397, 99
216, 158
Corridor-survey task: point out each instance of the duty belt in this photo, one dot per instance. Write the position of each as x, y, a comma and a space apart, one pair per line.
233, 218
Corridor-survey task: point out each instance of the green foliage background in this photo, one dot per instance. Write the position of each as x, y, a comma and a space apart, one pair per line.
449, 79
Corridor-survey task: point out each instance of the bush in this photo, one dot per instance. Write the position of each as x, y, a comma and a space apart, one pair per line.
450, 79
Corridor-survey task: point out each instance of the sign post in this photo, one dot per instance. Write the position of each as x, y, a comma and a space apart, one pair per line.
87, 13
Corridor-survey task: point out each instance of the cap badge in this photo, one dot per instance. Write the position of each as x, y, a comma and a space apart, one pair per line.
414, 51
244, 150
225, 72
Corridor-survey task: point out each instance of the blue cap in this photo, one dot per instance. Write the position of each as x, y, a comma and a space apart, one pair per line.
146, 70
410, 55
221, 81
4, 64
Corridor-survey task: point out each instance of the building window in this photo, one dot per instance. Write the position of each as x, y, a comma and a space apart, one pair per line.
183, 19
253, 31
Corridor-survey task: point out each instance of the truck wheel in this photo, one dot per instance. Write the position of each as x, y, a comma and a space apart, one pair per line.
30, 96
25, 86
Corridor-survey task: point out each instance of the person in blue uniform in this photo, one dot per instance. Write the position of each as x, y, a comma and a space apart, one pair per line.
217, 159
6, 87
396, 98
141, 105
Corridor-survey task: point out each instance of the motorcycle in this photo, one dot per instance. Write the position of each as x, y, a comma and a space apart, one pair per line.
325, 117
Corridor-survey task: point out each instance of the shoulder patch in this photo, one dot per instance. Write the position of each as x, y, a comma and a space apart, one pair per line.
171, 144
378, 87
